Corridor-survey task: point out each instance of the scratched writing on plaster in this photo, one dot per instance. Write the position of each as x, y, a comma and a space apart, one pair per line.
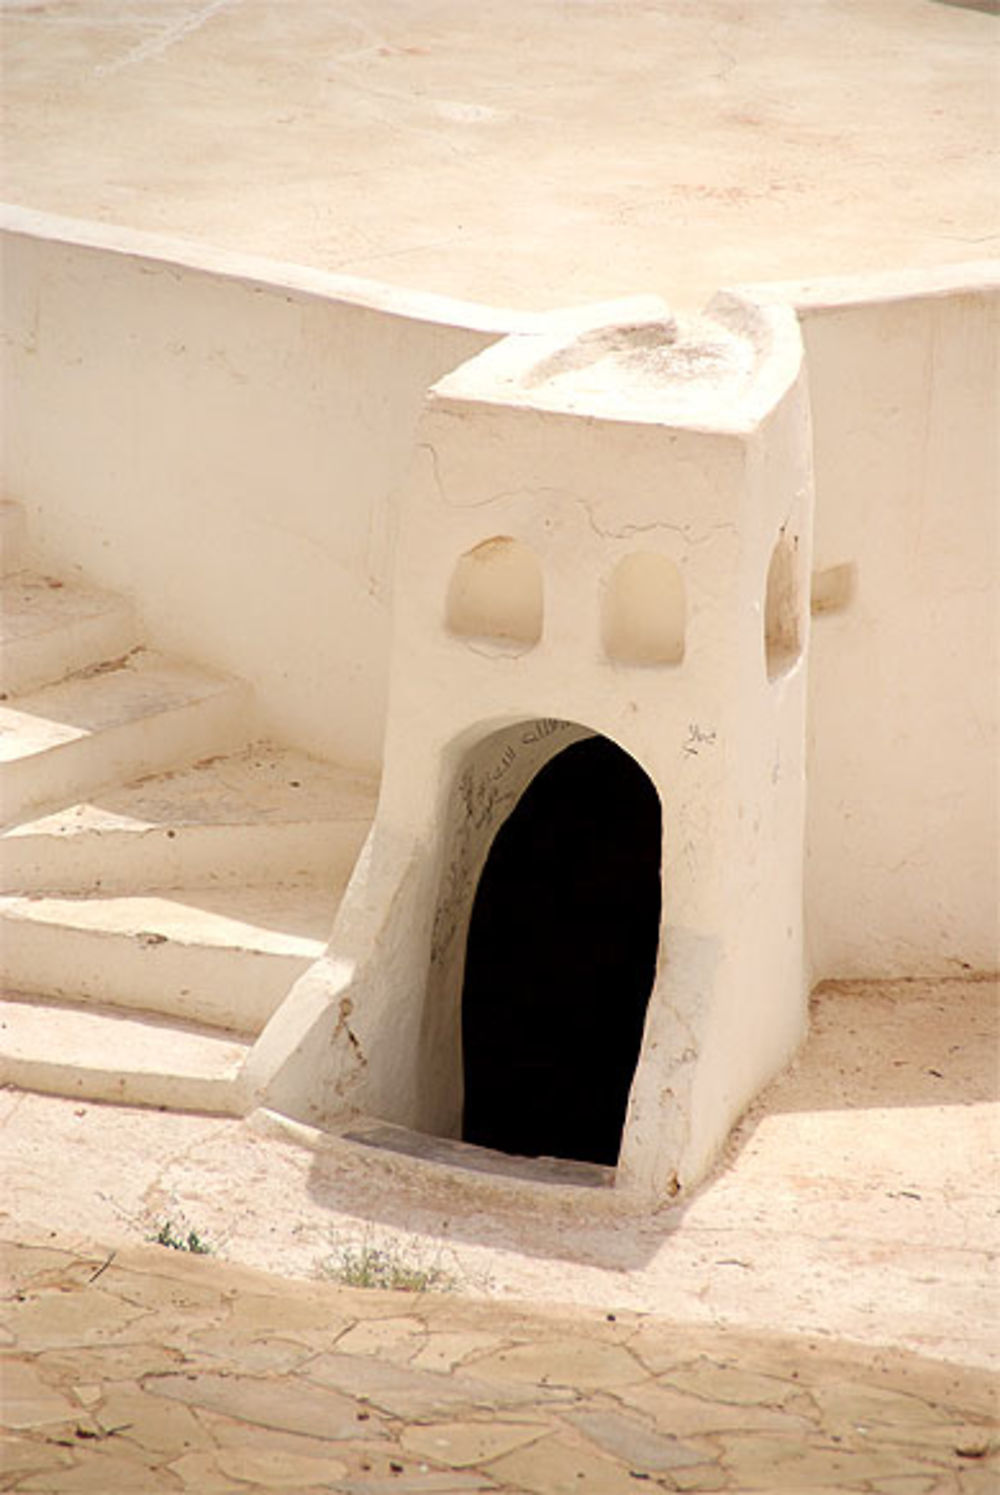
482, 802
544, 727
697, 738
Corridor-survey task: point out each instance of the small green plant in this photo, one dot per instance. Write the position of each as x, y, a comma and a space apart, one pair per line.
385, 1267
178, 1241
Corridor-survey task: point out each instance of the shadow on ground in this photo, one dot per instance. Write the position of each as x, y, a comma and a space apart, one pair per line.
836, 1124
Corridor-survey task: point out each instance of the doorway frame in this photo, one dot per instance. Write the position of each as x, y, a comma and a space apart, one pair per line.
492, 768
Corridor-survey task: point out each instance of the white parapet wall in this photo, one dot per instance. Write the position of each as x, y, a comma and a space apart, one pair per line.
903, 870
218, 438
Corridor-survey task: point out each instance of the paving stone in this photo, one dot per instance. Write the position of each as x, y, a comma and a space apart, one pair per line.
680, 1415
162, 1293
228, 1432
100, 1473
460, 1482
57, 1275
396, 1339
908, 1484
950, 1440
462, 1444
75, 1318
847, 1408
252, 1352
410, 1393
113, 1362
809, 1489
226, 1278
627, 1439
291, 1404
89, 1393
199, 1474
279, 1469
980, 1478
761, 1463
576, 1362
249, 1312
663, 1347
443, 1351
378, 1460
24, 1265
962, 1391
28, 1401
150, 1422
554, 1466
726, 1383
702, 1478
24, 1456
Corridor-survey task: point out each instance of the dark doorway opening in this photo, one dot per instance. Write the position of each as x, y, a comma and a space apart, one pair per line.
561, 957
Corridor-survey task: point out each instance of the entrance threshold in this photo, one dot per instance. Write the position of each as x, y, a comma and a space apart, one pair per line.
386, 1137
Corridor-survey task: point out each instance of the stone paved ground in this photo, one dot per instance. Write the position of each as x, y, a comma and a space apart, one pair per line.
143, 1369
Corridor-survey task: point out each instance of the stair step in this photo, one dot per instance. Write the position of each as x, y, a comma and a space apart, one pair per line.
137, 716
224, 958
50, 629
265, 812
103, 1054
12, 537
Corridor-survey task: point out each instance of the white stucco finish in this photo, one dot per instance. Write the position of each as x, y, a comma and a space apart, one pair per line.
689, 443
220, 448
222, 440
903, 873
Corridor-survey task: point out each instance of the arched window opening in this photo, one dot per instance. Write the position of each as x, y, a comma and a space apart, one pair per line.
496, 593
782, 622
561, 958
644, 611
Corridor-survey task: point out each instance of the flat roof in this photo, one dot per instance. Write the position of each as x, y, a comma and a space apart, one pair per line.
531, 153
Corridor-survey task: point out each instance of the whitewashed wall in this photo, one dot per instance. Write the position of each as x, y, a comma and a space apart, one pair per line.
904, 759
218, 438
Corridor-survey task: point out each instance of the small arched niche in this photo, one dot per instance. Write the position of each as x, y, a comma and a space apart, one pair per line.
644, 611
782, 607
496, 592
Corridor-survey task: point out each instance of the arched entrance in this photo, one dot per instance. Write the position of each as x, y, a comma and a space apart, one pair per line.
561, 957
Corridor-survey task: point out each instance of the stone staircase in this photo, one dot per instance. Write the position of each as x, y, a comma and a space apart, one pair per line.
163, 880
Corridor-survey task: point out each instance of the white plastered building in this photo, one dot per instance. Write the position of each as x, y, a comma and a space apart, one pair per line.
456, 548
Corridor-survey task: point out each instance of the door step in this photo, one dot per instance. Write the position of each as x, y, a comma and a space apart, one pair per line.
50, 629
264, 812
140, 715
165, 884
133, 1059
222, 958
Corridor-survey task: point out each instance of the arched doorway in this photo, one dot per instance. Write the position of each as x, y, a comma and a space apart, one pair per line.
561, 957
